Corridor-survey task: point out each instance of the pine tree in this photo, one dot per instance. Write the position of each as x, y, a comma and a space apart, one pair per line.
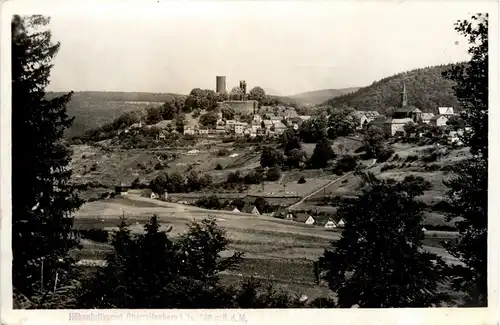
379, 262
42, 198
322, 153
468, 192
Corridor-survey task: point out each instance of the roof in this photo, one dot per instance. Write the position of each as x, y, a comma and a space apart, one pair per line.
280, 213
398, 120
379, 120
436, 117
445, 110
279, 125
248, 208
302, 216
304, 117
163, 124
427, 116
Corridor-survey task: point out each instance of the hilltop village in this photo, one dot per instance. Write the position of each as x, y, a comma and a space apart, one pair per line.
250, 118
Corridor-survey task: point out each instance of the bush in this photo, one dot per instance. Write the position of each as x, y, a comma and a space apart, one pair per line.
159, 166
222, 152
234, 178
93, 167
442, 206
302, 180
411, 158
385, 154
388, 166
253, 177
98, 235
218, 167
273, 174
430, 157
347, 163
433, 167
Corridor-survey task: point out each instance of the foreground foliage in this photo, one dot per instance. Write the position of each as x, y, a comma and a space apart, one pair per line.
379, 262
42, 198
468, 192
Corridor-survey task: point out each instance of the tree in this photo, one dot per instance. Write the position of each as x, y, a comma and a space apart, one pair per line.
373, 141
295, 158
273, 174
270, 157
257, 93
468, 192
342, 122
261, 204
410, 128
42, 197
227, 112
313, 129
378, 262
151, 271
173, 107
236, 93
222, 96
290, 140
208, 119
322, 154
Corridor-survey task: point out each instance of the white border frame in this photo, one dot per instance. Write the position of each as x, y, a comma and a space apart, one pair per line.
467, 316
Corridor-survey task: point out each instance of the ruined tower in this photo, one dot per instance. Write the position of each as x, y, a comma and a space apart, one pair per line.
220, 86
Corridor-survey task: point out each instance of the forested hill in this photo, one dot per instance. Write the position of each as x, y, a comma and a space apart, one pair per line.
426, 89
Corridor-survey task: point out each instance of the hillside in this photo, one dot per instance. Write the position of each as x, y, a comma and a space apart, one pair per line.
320, 96
426, 89
95, 108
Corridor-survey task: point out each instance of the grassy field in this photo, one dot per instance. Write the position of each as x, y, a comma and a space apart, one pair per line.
274, 250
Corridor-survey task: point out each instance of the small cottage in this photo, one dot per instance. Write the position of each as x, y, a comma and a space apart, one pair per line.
438, 120
251, 209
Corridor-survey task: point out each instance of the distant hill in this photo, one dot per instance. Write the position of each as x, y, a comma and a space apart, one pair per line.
426, 89
95, 108
320, 96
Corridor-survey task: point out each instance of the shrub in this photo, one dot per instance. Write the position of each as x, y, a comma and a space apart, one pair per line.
98, 235
347, 163
302, 180
93, 167
222, 152
433, 167
218, 167
253, 177
387, 167
273, 174
233, 178
430, 157
159, 166
385, 154
411, 158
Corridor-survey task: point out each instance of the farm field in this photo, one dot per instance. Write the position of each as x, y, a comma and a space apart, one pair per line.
274, 250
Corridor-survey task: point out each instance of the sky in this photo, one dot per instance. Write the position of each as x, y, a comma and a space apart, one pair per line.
286, 49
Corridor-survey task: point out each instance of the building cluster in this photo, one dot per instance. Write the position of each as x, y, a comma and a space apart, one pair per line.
394, 124
263, 123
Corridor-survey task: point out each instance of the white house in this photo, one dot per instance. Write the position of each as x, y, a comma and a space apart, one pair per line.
236, 210
279, 128
426, 117
239, 127
310, 221
153, 195
257, 119
341, 223
189, 130
330, 224
446, 111
439, 120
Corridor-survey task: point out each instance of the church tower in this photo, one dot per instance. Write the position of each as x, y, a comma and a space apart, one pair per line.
405, 96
